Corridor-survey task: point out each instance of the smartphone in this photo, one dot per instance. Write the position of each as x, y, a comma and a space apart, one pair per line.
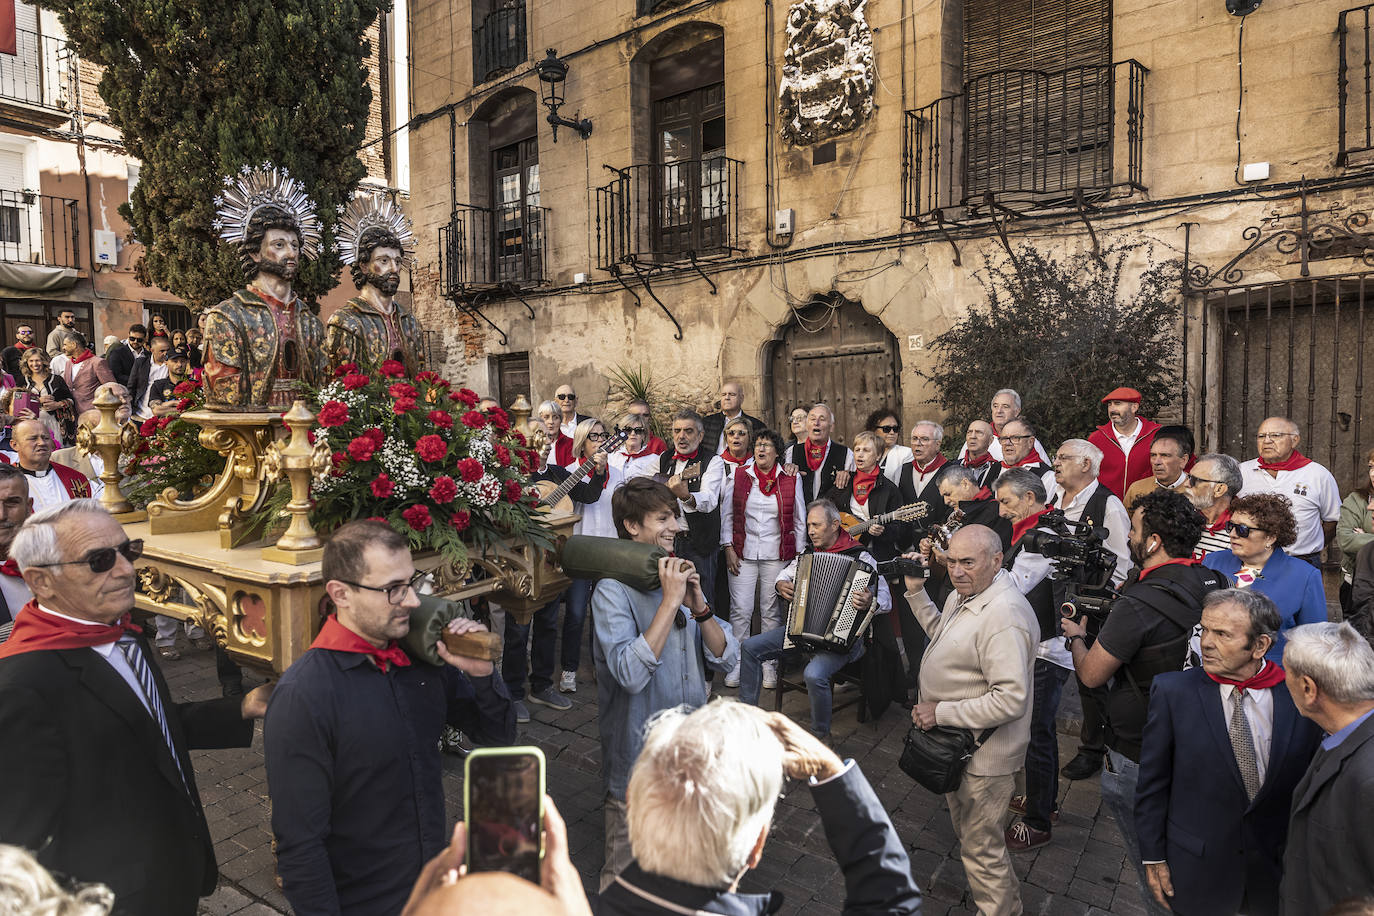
503, 807
26, 401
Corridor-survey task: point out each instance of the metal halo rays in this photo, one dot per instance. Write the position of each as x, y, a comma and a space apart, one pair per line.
264, 186
373, 211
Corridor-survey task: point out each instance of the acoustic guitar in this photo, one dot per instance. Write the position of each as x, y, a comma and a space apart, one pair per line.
909, 513
554, 497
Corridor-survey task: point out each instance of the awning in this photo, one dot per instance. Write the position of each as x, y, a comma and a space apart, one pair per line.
36, 278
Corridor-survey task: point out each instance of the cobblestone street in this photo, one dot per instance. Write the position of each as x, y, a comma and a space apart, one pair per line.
1080, 872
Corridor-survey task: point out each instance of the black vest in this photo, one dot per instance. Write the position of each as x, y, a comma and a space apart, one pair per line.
1041, 598
836, 457
703, 528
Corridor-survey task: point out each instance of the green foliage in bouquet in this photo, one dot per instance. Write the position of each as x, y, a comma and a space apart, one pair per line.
169, 455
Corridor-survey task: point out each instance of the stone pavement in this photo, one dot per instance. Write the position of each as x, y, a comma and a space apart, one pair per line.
1080, 872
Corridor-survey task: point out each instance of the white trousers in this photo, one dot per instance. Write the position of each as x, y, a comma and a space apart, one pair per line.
755, 575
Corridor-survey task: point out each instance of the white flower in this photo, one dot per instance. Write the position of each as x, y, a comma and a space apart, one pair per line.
488, 491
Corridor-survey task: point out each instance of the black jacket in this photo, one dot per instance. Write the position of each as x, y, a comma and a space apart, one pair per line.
714, 426
836, 459
885, 497
138, 379
877, 872
121, 362
936, 510
91, 786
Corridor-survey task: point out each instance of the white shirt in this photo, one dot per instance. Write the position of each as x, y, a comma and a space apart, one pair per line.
1314, 495
155, 371
920, 479
762, 528
1117, 521
567, 428
596, 517
1127, 440
799, 454
47, 491
58, 365
643, 466
1029, 570
892, 462
112, 654
1259, 709
708, 496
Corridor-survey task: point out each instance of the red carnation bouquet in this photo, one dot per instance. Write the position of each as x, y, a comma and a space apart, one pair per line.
168, 454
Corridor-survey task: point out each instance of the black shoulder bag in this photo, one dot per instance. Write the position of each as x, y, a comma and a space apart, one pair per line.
936, 758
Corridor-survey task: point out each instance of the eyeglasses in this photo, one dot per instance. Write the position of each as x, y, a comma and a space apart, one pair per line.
1241, 530
596, 437
629, 430
566, 397
888, 428
103, 559
1271, 437
1193, 480
395, 593
922, 440
1005, 439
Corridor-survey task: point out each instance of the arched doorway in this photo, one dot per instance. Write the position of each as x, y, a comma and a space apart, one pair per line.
834, 351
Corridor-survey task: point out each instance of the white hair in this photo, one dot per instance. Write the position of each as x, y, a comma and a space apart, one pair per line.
1082, 448
1334, 655
938, 435
27, 888
832, 514
548, 407
35, 544
828, 412
1011, 393
702, 791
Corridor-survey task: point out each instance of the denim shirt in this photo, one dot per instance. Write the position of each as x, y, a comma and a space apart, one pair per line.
631, 684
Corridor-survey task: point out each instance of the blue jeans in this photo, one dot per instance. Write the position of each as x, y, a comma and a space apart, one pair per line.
540, 663
1042, 754
819, 670
1119, 779
578, 595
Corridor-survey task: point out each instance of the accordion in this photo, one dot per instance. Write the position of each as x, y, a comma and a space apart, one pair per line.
822, 615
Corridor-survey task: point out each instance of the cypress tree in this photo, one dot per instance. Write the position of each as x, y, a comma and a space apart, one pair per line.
202, 88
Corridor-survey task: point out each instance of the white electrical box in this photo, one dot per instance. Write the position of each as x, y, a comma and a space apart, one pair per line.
782, 222
579, 279
103, 245
1255, 171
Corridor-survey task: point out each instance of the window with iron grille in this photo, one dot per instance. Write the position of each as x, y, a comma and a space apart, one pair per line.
1355, 77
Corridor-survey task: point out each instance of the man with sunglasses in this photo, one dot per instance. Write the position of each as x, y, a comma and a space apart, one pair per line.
1309, 487
567, 403
121, 358
9, 357
1212, 484
95, 760
731, 406
352, 735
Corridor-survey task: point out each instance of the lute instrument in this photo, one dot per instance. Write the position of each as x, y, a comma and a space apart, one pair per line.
909, 513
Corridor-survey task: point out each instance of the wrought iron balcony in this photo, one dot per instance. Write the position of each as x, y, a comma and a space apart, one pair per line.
500, 41
490, 249
669, 213
39, 73
1027, 138
1356, 75
38, 229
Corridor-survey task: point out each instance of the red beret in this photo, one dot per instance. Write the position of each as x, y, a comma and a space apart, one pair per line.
1122, 394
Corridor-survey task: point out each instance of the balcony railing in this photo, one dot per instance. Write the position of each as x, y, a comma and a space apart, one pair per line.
1356, 75
1027, 137
38, 74
500, 40
669, 213
38, 229
487, 248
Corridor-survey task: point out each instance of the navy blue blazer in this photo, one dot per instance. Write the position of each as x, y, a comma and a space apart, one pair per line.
1225, 853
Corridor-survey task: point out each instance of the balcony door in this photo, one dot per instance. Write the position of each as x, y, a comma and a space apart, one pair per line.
17, 205
517, 225
688, 191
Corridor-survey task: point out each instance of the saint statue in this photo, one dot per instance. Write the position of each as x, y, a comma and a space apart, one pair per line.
263, 343
376, 241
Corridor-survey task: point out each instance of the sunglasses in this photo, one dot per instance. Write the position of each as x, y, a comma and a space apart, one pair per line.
566, 397
103, 560
1194, 480
888, 428
1241, 530
629, 430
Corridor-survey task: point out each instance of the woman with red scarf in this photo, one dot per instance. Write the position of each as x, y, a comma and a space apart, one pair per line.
635, 458
868, 495
762, 527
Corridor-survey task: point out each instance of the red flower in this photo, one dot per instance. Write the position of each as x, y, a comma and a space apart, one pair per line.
383, 486
431, 448
427, 375
333, 413
467, 396
376, 435
499, 418
444, 490
345, 369
460, 520
187, 387
513, 491
417, 517
520, 438
502, 455
337, 461
361, 448
403, 406
393, 369
441, 418
148, 427
402, 390
474, 420
183, 403
164, 422
470, 469
354, 382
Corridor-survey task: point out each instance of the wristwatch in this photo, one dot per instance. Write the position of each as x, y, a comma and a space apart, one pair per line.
1068, 642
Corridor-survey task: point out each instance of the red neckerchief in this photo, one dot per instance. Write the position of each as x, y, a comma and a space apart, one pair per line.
1183, 561
22, 346
11, 569
36, 630
1032, 457
844, 542
815, 455
678, 456
971, 462
1026, 524
995, 433
936, 463
336, 636
639, 454
768, 481
741, 461
864, 482
1292, 463
981, 495
1269, 675
82, 358
1219, 524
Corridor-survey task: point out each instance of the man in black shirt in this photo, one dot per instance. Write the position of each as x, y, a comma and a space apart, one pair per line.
1145, 634
9, 357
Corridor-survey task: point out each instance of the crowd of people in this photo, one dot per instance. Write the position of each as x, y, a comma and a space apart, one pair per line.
1228, 717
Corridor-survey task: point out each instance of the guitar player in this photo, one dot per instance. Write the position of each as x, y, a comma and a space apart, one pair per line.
696, 479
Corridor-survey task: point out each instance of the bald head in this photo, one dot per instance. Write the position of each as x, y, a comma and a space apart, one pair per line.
491, 893
973, 558
33, 445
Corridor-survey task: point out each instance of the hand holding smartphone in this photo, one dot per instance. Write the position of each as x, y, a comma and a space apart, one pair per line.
503, 805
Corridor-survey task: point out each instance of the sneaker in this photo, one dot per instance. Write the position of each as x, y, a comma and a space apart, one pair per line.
454, 742
203, 643
568, 682
522, 712
770, 680
171, 653
550, 698
1018, 807
1020, 836
1084, 765
732, 679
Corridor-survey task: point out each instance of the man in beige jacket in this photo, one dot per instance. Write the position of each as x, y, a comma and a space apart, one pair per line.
976, 674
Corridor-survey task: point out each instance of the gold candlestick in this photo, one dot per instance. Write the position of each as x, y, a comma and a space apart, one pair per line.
106, 439
302, 463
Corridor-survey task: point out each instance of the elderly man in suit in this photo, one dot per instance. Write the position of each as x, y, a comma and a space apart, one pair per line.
1223, 749
1330, 852
976, 674
731, 406
95, 746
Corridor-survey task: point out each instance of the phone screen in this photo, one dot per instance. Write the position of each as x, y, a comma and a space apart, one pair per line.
505, 790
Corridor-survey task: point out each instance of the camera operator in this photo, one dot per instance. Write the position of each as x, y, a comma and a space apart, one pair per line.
1146, 633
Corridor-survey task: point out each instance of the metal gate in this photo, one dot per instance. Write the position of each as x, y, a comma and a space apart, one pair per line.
834, 352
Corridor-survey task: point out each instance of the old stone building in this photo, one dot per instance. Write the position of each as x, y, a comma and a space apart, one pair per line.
801, 195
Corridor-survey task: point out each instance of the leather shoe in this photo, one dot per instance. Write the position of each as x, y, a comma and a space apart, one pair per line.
1020, 836
1085, 764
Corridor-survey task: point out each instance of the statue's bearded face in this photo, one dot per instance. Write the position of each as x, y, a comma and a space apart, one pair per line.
384, 270
280, 253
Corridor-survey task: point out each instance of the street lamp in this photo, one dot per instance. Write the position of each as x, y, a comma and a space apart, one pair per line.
552, 73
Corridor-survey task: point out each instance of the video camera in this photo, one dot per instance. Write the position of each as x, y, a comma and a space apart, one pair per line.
1082, 563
